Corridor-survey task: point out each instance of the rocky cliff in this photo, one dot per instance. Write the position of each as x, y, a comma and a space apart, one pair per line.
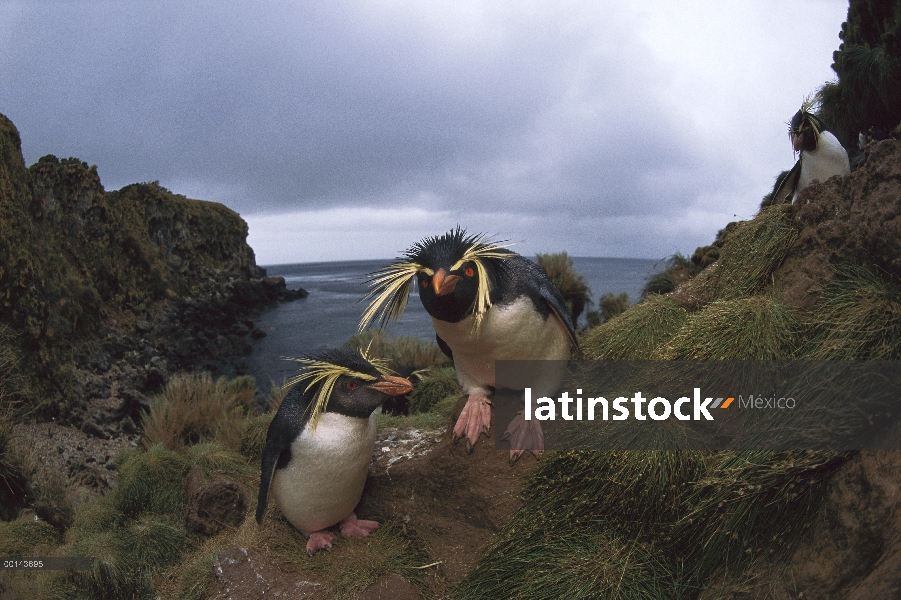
110, 292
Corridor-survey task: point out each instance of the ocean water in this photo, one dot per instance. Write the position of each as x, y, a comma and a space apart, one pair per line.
331, 313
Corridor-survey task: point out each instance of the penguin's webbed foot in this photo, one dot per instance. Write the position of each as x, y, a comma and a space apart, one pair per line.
474, 420
354, 527
320, 540
524, 436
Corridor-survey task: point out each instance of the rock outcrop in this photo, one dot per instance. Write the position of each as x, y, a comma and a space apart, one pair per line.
106, 294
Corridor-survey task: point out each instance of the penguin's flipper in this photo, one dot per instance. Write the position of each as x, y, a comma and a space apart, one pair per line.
444, 347
286, 425
786, 187
553, 299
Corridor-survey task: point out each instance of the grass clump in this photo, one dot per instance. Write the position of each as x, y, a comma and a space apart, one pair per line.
13, 482
582, 563
752, 506
197, 408
151, 481
572, 284
755, 328
254, 439
858, 317
637, 333
752, 251
351, 565
137, 532
437, 417
608, 484
388, 550
677, 270
400, 352
612, 305
26, 536
433, 388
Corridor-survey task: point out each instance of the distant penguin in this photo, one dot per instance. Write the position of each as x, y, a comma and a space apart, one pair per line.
320, 442
487, 304
821, 155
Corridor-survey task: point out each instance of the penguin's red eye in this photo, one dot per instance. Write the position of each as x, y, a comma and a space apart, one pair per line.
351, 385
469, 272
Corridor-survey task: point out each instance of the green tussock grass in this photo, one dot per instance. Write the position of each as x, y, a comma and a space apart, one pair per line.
400, 352
13, 482
192, 578
436, 418
677, 270
858, 317
637, 333
352, 564
197, 408
751, 252
151, 481
612, 305
606, 486
752, 507
433, 388
136, 533
26, 537
254, 438
585, 563
755, 328
389, 550
572, 284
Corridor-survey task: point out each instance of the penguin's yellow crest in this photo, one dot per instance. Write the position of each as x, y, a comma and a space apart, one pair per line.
317, 370
390, 285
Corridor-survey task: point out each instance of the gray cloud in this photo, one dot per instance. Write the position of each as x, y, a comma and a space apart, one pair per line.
561, 122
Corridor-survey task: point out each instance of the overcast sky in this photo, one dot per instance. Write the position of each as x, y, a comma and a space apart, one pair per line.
351, 129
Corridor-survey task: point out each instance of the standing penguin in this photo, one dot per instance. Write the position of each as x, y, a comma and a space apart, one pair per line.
319, 444
487, 304
822, 155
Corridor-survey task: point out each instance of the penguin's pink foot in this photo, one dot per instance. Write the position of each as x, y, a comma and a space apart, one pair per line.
474, 420
524, 436
354, 527
320, 540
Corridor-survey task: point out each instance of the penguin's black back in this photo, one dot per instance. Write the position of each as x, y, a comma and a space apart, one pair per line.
293, 416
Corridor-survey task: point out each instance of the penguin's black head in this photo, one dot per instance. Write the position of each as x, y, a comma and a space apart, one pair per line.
804, 128
346, 382
454, 273
449, 284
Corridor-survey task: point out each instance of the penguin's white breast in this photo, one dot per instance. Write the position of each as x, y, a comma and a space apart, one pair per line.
514, 331
826, 161
324, 479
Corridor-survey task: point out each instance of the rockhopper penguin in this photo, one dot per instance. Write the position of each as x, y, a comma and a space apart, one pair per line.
821, 154
320, 442
487, 304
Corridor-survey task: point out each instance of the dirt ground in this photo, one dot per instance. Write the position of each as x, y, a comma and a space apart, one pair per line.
453, 501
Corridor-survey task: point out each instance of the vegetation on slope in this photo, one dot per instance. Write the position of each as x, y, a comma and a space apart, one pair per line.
72, 254
680, 522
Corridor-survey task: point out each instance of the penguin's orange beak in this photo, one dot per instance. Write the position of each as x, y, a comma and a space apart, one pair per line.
443, 283
392, 386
